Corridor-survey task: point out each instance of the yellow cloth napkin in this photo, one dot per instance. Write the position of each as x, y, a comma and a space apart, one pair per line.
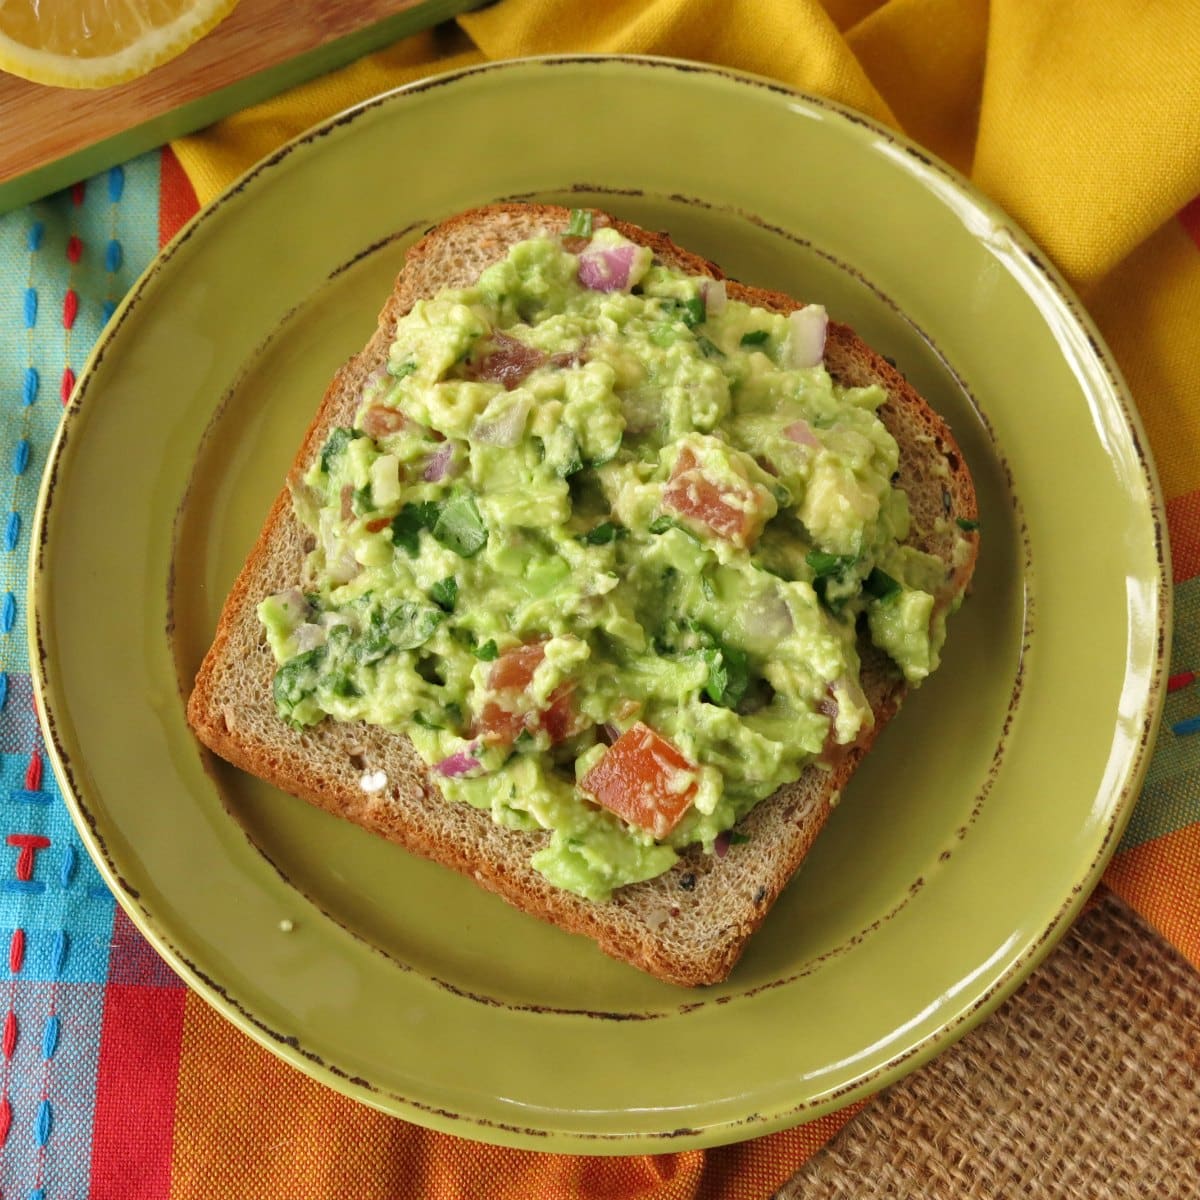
1081, 120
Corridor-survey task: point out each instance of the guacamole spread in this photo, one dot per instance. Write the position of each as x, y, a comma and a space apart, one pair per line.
598, 541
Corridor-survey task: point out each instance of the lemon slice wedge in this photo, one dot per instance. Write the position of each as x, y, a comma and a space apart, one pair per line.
96, 43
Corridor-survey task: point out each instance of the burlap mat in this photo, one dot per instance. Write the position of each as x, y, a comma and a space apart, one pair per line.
1086, 1084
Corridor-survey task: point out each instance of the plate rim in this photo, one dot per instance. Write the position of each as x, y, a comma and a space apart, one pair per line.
483, 1128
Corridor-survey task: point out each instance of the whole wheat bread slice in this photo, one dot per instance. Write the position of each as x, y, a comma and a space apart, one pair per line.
689, 925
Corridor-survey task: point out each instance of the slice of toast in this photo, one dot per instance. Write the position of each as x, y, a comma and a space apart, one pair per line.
689, 925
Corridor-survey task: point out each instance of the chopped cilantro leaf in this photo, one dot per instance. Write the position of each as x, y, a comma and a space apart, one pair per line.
338, 440
408, 523
570, 467
967, 524
404, 627
445, 593
823, 564
488, 652
459, 527
604, 533
297, 679
728, 667
754, 337
728, 674
362, 502
881, 585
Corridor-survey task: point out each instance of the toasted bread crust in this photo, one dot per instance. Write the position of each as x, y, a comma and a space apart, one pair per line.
688, 926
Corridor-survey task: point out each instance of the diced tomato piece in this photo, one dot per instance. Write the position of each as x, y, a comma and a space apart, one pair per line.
570, 358
733, 513
509, 362
511, 673
515, 667
377, 524
559, 718
347, 502
502, 726
380, 420
644, 780
499, 725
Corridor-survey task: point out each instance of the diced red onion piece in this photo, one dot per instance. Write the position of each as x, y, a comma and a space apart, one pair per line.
715, 296
721, 843
459, 763
768, 617
379, 420
853, 690
373, 380
509, 362
292, 599
437, 466
506, 429
309, 637
340, 563
801, 431
344, 568
806, 335
607, 269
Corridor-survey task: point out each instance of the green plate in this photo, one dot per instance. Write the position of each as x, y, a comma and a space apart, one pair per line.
960, 852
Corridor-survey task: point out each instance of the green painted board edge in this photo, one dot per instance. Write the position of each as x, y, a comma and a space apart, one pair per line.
91, 160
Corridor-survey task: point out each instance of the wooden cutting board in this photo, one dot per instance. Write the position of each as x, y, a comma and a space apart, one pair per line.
50, 137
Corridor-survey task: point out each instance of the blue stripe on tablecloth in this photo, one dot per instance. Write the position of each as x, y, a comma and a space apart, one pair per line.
65, 262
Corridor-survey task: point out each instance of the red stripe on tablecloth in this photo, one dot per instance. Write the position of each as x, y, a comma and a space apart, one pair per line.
1183, 526
1189, 218
136, 1081
177, 202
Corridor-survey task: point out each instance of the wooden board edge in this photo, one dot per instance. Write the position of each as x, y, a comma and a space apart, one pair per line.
196, 114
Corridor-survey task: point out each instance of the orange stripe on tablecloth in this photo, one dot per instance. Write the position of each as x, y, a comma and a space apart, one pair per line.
1161, 879
1183, 528
177, 202
1189, 218
248, 1124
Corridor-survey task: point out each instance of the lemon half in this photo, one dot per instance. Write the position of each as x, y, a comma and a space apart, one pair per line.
96, 43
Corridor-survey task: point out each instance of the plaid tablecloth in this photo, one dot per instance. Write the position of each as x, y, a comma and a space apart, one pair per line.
115, 1081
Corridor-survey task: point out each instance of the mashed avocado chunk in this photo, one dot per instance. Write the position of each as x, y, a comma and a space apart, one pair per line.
600, 542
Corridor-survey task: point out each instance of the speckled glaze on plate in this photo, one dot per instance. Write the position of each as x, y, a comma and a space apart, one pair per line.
960, 851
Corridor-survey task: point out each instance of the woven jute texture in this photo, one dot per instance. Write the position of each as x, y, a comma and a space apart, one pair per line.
1085, 1084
